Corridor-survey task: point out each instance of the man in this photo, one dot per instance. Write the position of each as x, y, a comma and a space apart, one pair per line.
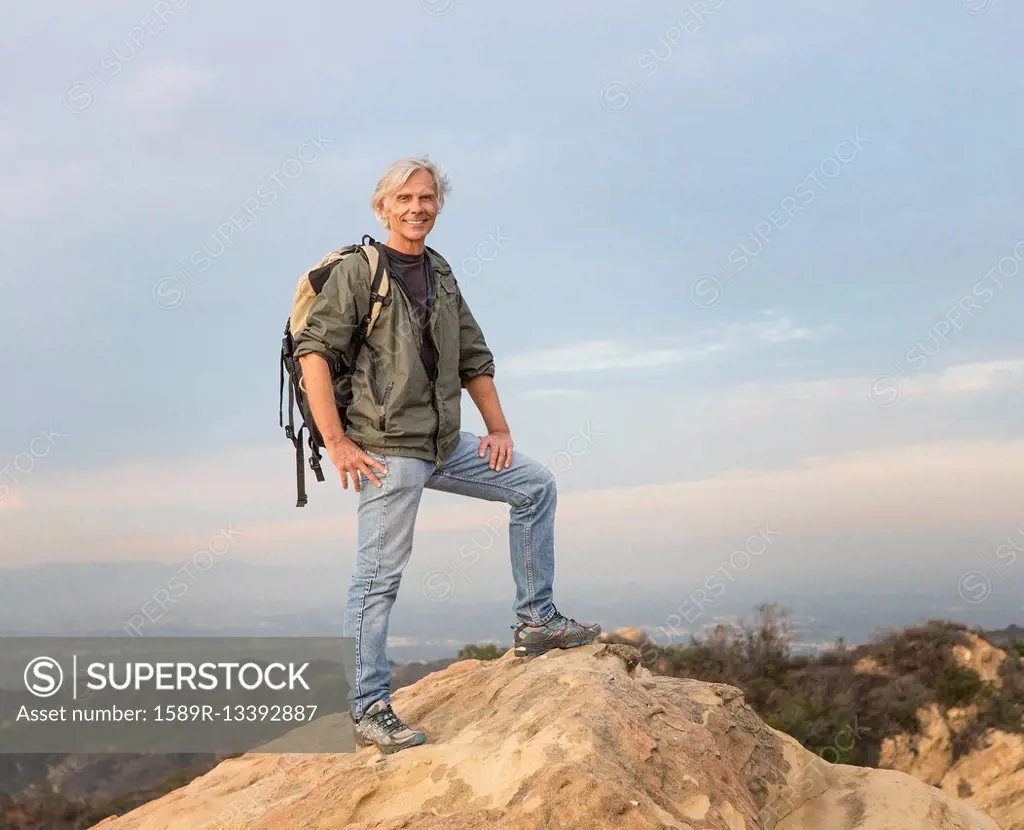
402, 433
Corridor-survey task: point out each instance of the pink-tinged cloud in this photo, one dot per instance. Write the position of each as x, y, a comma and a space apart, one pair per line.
970, 485
10, 499
318, 537
939, 490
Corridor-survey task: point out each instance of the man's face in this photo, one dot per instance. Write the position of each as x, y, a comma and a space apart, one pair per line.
411, 211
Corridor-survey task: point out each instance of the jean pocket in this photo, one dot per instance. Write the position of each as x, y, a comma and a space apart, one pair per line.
382, 460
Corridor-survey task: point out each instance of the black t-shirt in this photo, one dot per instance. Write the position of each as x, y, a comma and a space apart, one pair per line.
411, 271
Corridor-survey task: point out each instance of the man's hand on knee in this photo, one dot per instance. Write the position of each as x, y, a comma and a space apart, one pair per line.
500, 443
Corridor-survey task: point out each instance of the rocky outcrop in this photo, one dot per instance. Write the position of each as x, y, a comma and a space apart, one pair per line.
927, 754
981, 656
585, 738
629, 636
991, 776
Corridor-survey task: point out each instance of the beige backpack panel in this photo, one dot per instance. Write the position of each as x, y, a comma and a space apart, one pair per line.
305, 295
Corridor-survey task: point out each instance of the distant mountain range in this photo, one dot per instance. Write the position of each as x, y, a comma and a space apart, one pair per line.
237, 599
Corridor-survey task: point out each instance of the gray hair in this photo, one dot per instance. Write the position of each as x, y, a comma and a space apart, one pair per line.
397, 175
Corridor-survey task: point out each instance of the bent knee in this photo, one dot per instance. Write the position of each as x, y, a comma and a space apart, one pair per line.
540, 484
546, 479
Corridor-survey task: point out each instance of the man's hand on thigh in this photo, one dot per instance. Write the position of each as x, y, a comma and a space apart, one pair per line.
350, 460
500, 443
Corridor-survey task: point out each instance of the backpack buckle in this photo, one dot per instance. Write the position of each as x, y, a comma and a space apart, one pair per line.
314, 463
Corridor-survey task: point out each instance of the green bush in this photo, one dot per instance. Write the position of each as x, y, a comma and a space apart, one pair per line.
842, 714
957, 686
488, 651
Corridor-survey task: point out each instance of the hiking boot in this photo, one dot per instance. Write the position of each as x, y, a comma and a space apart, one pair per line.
558, 632
381, 727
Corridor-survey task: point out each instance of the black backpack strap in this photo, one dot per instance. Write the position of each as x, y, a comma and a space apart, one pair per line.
289, 430
379, 297
280, 396
300, 472
314, 459
296, 439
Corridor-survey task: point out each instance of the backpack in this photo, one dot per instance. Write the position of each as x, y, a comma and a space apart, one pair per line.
309, 286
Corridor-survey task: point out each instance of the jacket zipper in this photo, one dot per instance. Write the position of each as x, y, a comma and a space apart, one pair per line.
437, 428
373, 376
428, 328
432, 304
384, 404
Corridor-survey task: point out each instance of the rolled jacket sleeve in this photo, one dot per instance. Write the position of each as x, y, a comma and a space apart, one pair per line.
335, 313
475, 358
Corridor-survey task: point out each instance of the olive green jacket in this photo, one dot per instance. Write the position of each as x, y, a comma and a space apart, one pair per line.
396, 408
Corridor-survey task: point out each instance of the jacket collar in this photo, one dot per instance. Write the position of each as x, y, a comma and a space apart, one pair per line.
438, 262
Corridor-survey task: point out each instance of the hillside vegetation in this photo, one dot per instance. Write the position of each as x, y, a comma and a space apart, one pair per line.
844, 703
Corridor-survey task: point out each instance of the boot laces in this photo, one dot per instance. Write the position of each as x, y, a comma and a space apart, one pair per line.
558, 617
568, 621
389, 720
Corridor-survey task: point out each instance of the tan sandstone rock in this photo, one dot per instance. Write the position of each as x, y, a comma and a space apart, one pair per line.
926, 755
869, 665
628, 635
981, 656
572, 739
991, 777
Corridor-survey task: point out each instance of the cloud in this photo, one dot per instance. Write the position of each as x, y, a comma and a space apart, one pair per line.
970, 378
264, 476
168, 509
316, 534
161, 510
762, 399
165, 89
606, 355
770, 331
10, 499
590, 356
915, 500
850, 509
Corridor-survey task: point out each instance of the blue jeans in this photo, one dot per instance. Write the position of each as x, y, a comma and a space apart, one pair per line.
386, 518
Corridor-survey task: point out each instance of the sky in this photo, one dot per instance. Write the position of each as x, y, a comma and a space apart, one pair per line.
740, 266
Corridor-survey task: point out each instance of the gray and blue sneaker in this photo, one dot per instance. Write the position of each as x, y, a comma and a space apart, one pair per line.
381, 727
558, 632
